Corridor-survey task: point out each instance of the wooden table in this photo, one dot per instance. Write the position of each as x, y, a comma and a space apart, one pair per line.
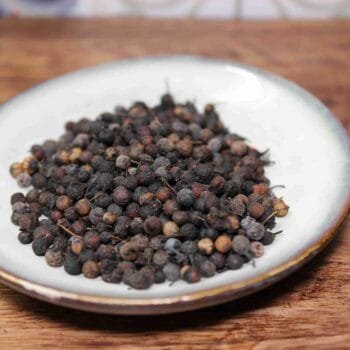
310, 309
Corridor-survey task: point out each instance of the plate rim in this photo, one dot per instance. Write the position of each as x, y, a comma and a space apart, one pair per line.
207, 297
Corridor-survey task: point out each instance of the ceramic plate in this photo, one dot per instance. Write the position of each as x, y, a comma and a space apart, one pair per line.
310, 149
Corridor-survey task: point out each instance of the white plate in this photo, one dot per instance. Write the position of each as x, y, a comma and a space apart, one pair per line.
310, 149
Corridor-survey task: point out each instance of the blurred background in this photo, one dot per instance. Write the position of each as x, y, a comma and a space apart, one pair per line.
216, 9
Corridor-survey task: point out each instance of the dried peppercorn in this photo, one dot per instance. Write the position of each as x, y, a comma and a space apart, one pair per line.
25, 237
54, 258
223, 244
91, 269
171, 272
191, 275
170, 228
256, 249
234, 261
205, 246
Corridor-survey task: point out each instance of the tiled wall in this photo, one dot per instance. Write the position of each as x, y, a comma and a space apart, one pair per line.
256, 9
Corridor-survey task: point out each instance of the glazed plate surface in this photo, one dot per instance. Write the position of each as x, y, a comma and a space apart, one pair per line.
309, 147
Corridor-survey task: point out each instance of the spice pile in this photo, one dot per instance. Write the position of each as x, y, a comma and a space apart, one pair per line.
146, 195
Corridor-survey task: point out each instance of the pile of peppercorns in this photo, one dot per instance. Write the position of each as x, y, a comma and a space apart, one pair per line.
146, 195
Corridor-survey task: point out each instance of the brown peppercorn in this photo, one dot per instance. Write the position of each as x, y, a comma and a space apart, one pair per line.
128, 251
79, 227
170, 207
205, 246
146, 198
180, 217
170, 228
198, 189
280, 207
121, 195
92, 240
56, 215
261, 189
256, 210
185, 147
16, 169
83, 207
223, 244
206, 135
136, 149
163, 194
63, 203
91, 269
243, 198
152, 225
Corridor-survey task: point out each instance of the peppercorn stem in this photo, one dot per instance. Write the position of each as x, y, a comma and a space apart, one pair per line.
168, 185
264, 152
277, 186
96, 196
66, 230
269, 217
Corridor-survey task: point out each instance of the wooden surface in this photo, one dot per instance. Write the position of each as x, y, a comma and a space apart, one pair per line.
310, 309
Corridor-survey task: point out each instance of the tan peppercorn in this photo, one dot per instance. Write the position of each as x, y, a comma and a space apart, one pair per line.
83, 207
16, 169
233, 222
76, 244
26, 164
239, 148
111, 153
63, 157
183, 270
205, 246
74, 154
174, 138
280, 207
170, 228
109, 218
86, 167
223, 244
256, 210
178, 110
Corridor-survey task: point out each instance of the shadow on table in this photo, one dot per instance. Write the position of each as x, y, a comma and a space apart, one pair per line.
272, 296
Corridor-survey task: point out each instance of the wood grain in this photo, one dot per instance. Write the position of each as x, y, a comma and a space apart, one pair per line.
310, 309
